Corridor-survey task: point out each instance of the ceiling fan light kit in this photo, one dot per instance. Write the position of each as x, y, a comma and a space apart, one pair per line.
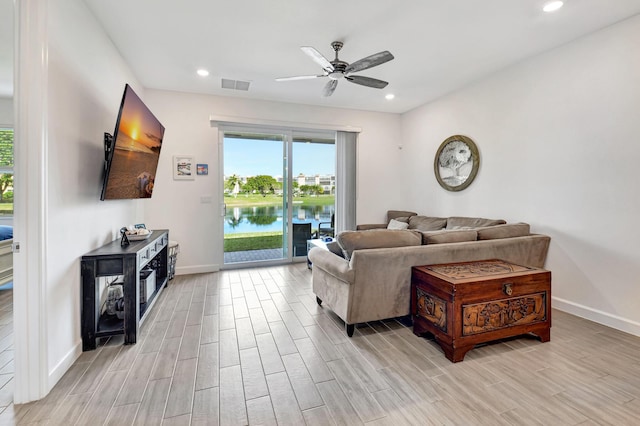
337, 69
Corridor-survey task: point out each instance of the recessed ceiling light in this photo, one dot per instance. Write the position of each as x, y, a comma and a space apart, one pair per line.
389, 96
202, 72
552, 6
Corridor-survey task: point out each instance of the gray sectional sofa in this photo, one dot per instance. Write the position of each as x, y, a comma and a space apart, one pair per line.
366, 274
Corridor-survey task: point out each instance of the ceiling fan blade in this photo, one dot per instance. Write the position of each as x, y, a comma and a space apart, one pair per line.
369, 62
329, 88
317, 57
367, 81
300, 77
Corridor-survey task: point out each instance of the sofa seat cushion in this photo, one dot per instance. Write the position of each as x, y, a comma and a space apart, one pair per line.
457, 222
376, 238
504, 231
439, 237
427, 223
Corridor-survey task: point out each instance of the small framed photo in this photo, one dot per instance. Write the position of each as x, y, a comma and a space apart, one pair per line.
202, 169
183, 167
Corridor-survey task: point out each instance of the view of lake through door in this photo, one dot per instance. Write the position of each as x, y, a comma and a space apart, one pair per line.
279, 192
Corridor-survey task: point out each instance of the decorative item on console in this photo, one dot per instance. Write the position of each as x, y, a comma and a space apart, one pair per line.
136, 232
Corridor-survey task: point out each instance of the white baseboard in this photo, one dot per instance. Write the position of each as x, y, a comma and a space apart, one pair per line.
197, 269
595, 315
65, 363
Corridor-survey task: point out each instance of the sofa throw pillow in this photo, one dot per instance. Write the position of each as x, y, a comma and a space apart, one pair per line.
440, 237
504, 231
396, 224
456, 222
334, 248
376, 238
426, 223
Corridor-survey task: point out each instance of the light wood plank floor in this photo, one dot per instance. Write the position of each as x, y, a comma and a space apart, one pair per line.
6, 348
252, 347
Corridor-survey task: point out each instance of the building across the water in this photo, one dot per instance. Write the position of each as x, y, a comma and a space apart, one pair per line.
326, 182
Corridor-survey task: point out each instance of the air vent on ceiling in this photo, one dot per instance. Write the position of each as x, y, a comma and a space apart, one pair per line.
235, 84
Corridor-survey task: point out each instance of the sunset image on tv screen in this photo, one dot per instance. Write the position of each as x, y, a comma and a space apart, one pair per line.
138, 140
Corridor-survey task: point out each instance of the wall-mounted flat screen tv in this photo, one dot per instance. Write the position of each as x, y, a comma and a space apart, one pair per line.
132, 155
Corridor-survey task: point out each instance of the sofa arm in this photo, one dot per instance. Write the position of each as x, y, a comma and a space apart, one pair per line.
367, 226
331, 263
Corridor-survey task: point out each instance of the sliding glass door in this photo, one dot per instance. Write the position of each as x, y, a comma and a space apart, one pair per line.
278, 193
314, 184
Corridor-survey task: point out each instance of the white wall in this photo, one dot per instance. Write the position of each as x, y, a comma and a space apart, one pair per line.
86, 78
196, 226
557, 136
6, 112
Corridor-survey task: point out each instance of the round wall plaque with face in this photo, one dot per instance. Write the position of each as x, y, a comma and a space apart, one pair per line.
456, 163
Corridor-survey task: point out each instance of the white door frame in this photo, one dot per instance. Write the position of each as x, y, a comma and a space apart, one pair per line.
30, 216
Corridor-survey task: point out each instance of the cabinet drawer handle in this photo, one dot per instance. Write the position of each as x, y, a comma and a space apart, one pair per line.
507, 289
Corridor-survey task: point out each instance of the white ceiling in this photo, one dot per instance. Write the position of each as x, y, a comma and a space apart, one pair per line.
439, 46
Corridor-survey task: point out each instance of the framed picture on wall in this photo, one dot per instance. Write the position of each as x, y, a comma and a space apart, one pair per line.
183, 167
202, 169
457, 162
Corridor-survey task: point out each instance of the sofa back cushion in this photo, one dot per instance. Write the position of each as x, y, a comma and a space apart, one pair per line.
439, 237
426, 223
457, 222
394, 214
376, 238
504, 231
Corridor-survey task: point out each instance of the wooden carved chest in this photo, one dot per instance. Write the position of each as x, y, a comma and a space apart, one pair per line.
464, 304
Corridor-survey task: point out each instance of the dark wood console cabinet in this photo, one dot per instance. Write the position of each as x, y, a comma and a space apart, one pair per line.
112, 260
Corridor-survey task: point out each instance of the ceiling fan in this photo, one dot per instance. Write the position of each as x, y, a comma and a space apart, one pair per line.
338, 69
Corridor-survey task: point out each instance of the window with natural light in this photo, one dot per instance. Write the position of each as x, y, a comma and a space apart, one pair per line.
6, 172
